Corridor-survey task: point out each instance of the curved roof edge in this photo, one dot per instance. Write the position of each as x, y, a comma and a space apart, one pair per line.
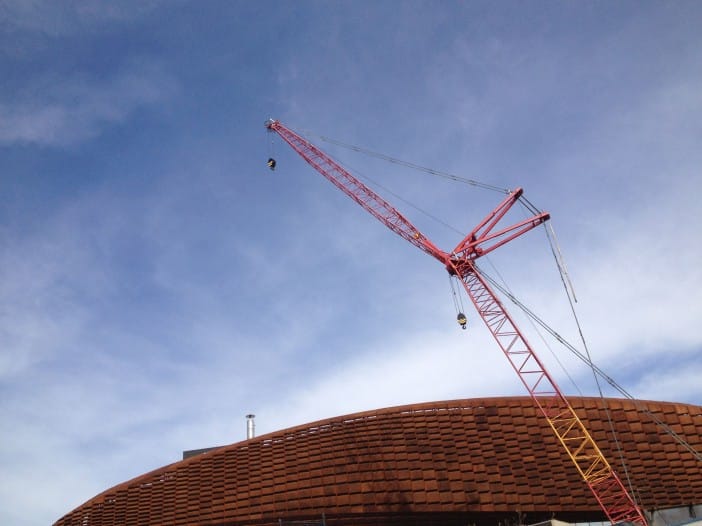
473, 455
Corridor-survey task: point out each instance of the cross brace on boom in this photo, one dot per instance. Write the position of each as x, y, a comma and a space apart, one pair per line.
608, 489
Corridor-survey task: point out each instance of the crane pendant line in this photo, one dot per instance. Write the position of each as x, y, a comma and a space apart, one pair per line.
606, 486
593, 467
356, 190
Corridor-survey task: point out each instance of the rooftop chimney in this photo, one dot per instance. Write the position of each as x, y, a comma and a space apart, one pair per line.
250, 427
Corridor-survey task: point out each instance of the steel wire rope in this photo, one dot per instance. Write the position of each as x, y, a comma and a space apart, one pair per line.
531, 322
431, 171
570, 294
563, 368
408, 164
556, 252
270, 144
372, 182
458, 304
681, 441
533, 211
568, 286
457, 297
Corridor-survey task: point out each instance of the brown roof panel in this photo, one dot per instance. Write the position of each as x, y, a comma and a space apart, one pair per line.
477, 460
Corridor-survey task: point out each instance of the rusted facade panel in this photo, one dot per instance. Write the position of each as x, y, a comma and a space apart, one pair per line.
478, 460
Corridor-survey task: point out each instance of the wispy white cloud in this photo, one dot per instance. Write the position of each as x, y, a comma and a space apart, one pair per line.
40, 311
81, 396
72, 16
414, 366
135, 326
673, 380
66, 111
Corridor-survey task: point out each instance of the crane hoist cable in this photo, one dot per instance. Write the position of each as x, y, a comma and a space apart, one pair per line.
568, 286
563, 368
271, 163
560, 261
570, 294
586, 357
531, 210
680, 440
458, 303
456, 295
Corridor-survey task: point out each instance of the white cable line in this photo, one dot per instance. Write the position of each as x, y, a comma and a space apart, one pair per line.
561, 262
613, 431
408, 164
457, 297
599, 371
385, 189
541, 337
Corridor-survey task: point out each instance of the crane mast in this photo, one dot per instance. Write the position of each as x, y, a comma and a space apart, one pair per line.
603, 481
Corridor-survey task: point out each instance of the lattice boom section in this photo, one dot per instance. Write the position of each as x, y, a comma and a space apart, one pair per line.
356, 190
568, 428
515, 347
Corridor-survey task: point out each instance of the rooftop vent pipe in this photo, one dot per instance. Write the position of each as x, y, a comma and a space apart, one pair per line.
250, 427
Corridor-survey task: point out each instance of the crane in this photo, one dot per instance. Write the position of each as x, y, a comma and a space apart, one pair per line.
612, 496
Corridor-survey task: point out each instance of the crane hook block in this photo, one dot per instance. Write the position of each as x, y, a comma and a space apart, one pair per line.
271, 163
462, 320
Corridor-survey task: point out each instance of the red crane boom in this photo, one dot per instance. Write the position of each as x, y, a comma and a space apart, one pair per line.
601, 478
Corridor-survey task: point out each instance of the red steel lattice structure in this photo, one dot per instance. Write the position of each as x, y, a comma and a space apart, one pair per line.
478, 461
595, 470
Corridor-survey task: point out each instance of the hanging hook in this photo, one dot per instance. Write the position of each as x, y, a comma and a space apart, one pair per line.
462, 320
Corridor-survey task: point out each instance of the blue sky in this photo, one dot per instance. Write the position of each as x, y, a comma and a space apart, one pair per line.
157, 282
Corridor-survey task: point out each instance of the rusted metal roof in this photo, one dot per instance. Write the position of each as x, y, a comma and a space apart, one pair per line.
477, 460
